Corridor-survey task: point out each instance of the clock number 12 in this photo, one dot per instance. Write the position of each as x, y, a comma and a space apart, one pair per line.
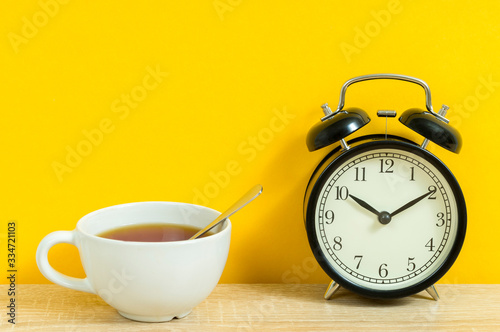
389, 163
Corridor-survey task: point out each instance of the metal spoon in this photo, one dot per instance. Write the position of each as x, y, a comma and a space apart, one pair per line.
244, 200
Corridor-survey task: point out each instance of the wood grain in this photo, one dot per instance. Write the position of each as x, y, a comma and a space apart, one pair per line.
266, 307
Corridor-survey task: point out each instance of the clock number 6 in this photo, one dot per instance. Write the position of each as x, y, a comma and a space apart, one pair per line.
382, 271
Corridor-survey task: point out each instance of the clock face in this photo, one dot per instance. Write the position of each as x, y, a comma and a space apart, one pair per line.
386, 219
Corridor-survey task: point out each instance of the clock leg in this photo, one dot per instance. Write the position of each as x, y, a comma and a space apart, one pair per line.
433, 292
332, 288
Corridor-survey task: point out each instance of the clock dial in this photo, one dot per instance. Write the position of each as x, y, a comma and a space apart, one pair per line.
386, 218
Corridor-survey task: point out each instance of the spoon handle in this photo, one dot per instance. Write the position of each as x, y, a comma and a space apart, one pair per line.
244, 200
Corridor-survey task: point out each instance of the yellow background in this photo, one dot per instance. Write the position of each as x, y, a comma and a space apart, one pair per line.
245, 83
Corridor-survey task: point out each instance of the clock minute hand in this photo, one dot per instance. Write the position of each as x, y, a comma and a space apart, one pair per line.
365, 205
411, 203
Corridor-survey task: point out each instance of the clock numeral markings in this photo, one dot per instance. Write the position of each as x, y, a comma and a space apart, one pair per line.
360, 174
359, 262
441, 221
342, 193
389, 163
329, 216
430, 244
411, 265
433, 190
412, 174
337, 243
382, 271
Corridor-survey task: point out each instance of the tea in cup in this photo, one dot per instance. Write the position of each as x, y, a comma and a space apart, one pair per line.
138, 259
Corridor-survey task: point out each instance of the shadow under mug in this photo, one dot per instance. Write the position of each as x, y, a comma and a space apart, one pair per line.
144, 281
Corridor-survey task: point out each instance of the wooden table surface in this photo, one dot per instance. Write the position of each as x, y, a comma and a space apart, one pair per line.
265, 307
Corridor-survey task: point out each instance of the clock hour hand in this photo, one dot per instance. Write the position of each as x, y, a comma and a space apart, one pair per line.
384, 217
412, 202
365, 205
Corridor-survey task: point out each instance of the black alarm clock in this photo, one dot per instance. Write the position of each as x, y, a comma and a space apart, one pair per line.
385, 218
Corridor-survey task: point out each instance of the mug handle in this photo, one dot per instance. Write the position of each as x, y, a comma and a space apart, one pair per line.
81, 284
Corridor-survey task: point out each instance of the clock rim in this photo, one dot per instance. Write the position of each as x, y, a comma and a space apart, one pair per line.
328, 165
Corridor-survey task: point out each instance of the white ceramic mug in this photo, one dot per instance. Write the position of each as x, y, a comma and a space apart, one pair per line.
144, 281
